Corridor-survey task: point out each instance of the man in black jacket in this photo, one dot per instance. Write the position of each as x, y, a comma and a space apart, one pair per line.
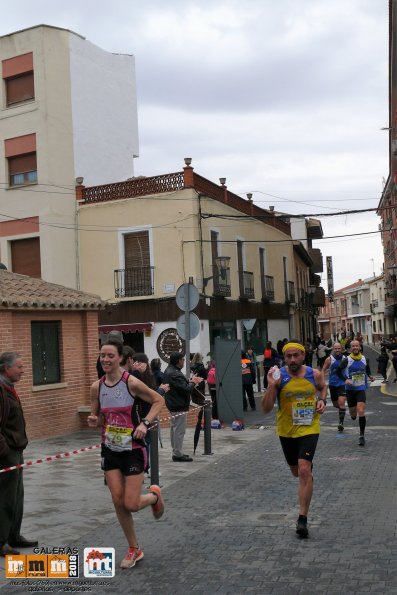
178, 400
13, 441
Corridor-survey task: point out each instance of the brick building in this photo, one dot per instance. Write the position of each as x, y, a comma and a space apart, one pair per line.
55, 330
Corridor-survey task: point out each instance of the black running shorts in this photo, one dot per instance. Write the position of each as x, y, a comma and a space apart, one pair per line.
355, 396
337, 391
303, 447
129, 462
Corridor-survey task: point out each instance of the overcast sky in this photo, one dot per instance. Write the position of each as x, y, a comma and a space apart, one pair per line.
284, 98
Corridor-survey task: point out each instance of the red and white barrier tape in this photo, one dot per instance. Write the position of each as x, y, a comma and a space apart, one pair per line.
48, 459
76, 452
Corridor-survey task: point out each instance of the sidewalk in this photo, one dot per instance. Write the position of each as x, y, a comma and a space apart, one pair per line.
229, 521
372, 352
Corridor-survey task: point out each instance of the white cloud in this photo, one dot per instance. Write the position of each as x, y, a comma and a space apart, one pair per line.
285, 98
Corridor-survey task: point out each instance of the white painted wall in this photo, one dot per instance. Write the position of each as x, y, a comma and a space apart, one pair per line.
298, 230
104, 112
277, 329
200, 344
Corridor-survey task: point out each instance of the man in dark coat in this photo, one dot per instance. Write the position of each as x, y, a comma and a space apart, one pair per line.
13, 441
178, 401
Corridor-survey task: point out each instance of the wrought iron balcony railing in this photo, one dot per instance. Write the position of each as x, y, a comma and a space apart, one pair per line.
133, 282
246, 283
267, 288
221, 281
290, 292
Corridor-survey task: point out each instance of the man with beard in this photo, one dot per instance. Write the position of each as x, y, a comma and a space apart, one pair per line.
295, 386
357, 372
336, 383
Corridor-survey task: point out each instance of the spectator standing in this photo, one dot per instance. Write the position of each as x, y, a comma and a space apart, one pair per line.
155, 366
321, 354
248, 375
252, 356
270, 358
383, 361
211, 381
308, 353
198, 369
394, 362
178, 401
13, 441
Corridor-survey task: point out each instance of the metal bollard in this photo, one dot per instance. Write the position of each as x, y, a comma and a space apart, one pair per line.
154, 454
207, 427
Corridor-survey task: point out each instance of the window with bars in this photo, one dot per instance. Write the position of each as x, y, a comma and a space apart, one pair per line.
136, 278
46, 352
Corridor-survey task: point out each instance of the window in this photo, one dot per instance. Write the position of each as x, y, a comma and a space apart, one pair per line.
22, 170
25, 257
19, 88
136, 278
380, 325
374, 326
20, 152
45, 353
18, 77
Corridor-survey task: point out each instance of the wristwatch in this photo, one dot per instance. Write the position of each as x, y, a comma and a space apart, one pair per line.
146, 422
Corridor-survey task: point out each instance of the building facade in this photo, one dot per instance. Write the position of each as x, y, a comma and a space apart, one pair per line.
181, 226
388, 202
67, 110
55, 330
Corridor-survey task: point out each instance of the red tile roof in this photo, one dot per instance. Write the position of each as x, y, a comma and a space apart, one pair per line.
21, 291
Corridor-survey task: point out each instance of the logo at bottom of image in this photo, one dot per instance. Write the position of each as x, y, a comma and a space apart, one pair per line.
42, 566
99, 562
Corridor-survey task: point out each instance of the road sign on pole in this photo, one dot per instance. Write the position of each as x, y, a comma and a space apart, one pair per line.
194, 325
187, 297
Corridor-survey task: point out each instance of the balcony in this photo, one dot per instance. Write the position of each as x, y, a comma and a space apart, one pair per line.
317, 258
289, 292
246, 283
267, 283
302, 299
133, 282
318, 299
221, 281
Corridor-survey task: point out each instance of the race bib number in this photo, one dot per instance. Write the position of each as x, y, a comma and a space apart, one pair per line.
358, 379
118, 439
302, 413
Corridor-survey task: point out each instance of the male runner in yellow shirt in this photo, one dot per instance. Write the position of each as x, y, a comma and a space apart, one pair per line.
301, 397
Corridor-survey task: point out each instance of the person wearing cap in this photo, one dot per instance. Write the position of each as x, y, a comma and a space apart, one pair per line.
177, 400
301, 398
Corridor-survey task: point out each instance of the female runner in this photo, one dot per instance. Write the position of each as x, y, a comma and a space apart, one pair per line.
117, 396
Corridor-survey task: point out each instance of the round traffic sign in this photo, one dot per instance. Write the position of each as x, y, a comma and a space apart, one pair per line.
187, 290
194, 324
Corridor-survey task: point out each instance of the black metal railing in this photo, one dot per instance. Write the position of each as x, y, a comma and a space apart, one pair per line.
290, 292
221, 281
267, 288
133, 282
246, 283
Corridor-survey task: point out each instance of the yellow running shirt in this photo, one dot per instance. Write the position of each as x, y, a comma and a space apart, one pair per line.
297, 415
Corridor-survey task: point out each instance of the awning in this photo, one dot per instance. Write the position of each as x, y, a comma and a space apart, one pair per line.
132, 327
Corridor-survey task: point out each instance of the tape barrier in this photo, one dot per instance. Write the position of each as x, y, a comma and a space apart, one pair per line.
65, 455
